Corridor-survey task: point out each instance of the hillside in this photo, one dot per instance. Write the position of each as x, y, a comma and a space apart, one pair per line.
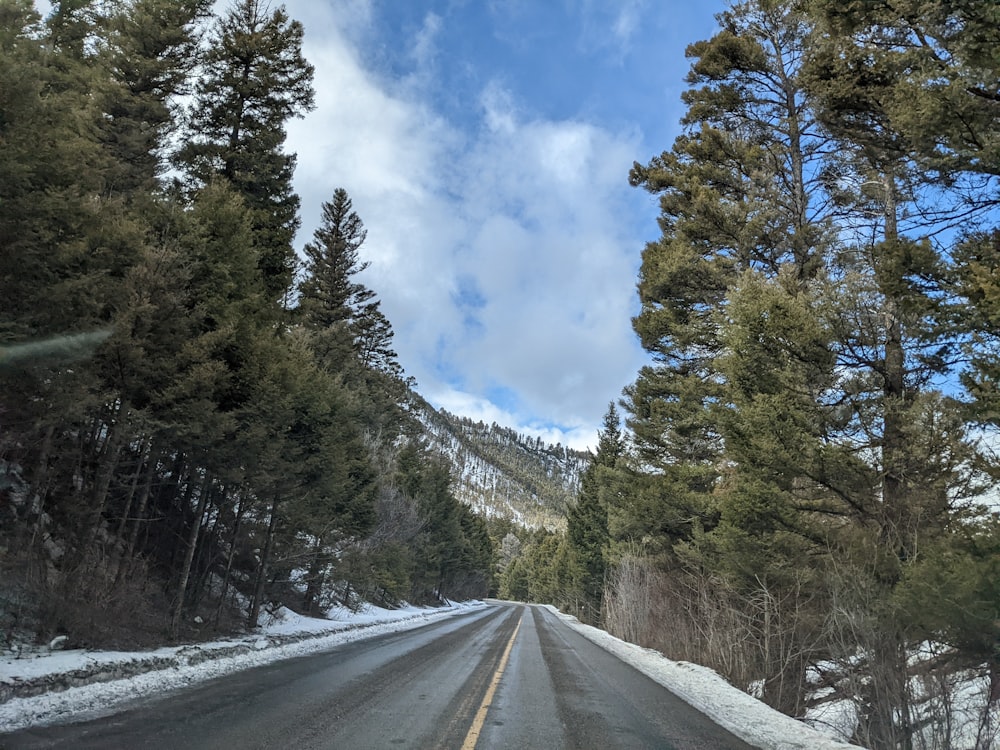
502, 473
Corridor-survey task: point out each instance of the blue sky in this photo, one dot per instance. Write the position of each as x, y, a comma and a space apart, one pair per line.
486, 146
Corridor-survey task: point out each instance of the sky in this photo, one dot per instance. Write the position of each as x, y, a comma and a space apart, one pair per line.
486, 146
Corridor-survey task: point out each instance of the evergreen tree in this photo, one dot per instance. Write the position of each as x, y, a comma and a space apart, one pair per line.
797, 309
150, 52
943, 97
740, 199
977, 280
897, 270
178, 441
329, 293
312, 465
36, 134
453, 552
53, 275
738, 192
373, 336
351, 335
587, 521
254, 80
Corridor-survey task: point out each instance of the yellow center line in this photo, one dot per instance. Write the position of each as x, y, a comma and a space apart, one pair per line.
477, 723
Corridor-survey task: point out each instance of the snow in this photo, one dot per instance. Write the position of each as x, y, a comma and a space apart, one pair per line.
754, 722
131, 675
286, 634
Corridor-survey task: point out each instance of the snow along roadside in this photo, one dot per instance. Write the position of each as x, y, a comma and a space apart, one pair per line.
748, 718
48, 688
57, 686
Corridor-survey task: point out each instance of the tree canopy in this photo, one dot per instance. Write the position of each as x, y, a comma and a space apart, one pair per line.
192, 430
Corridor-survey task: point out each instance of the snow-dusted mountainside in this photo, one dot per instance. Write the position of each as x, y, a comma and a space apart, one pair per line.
501, 473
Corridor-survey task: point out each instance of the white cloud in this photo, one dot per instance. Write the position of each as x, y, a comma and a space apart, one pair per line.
499, 253
478, 409
627, 22
622, 19
352, 18
424, 50
499, 109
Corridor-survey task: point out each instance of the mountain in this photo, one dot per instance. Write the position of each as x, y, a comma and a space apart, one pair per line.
501, 473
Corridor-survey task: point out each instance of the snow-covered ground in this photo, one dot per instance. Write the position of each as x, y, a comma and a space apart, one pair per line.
756, 723
93, 683
133, 674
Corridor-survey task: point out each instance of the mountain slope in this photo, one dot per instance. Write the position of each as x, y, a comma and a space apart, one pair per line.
502, 473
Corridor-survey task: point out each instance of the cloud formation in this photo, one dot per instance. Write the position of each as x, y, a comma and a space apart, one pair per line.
498, 249
610, 27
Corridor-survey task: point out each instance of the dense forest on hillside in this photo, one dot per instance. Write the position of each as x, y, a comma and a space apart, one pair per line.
804, 491
193, 423
501, 473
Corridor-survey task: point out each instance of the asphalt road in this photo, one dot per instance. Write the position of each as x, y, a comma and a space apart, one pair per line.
511, 677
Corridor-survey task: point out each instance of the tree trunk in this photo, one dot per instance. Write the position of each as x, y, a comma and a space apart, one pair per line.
893, 439
237, 522
152, 461
258, 592
987, 722
202, 564
185, 572
133, 486
885, 720
40, 482
314, 583
890, 717
108, 462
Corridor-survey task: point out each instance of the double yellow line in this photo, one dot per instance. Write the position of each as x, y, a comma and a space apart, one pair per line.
480, 719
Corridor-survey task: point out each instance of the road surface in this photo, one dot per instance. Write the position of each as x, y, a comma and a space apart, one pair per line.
511, 676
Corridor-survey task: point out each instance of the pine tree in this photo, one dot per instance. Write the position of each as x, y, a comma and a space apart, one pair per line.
150, 51
977, 280
741, 414
737, 192
373, 336
944, 98
53, 276
893, 269
182, 426
351, 335
797, 309
312, 465
254, 80
587, 521
740, 199
28, 168
329, 293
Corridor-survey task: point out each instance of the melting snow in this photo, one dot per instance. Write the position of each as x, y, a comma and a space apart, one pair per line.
179, 666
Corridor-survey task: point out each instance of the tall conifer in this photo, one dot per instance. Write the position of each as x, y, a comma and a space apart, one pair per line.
254, 80
587, 521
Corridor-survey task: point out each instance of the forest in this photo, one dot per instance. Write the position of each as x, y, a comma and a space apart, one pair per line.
195, 422
504, 475
799, 490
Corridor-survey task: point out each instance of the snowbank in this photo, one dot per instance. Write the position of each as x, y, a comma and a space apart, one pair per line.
752, 721
48, 687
